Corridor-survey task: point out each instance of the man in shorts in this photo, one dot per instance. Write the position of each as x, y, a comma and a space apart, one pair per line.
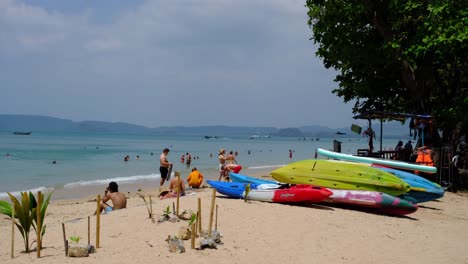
164, 166
118, 199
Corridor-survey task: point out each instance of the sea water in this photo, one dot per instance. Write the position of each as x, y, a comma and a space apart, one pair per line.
91, 160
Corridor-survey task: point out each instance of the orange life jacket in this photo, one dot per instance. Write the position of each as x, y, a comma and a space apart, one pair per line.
425, 157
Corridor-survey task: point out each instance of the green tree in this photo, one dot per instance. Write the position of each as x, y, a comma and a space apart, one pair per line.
405, 56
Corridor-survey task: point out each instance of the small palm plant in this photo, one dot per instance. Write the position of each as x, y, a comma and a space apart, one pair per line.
26, 214
167, 212
75, 239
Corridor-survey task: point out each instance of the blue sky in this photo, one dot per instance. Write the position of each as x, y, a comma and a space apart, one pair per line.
168, 62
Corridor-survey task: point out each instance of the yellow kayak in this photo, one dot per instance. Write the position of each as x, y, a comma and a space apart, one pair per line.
340, 175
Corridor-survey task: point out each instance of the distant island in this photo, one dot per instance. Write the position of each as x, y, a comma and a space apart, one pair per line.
29, 123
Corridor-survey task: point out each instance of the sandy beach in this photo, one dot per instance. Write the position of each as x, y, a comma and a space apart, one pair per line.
255, 232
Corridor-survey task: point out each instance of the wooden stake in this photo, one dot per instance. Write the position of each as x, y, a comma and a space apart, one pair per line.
12, 230
65, 242
98, 220
216, 219
179, 185
89, 230
194, 228
199, 215
39, 224
151, 207
173, 208
212, 211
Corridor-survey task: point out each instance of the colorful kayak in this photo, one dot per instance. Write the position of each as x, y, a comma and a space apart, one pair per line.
340, 175
381, 202
384, 203
236, 177
275, 193
422, 190
388, 163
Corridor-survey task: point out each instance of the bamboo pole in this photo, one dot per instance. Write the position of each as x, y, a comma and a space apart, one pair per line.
199, 215
65, 242
12, 231
39, 224
194, 230
98, 220
216, 219
179, 185
89, 230
151, 207
212, 211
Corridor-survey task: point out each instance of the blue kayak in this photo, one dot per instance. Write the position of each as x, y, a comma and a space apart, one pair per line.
421, 189
236, 177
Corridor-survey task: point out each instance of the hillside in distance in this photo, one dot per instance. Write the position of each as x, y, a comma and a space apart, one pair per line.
35, 123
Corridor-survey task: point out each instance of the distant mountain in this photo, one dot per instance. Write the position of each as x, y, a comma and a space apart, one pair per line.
36, 123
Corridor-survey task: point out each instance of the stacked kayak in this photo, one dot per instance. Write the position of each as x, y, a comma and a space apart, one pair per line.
276, 193
341, 175
381, 202
421, 189
383, 162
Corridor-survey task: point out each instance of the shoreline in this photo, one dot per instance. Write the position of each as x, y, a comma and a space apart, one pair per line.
76, 191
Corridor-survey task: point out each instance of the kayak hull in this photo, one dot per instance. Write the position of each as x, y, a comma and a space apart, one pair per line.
271, 192
340, 175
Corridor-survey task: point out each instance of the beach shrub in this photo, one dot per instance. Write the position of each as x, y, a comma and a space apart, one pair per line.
26, 214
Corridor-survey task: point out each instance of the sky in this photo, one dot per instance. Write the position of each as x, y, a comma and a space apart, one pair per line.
166, 62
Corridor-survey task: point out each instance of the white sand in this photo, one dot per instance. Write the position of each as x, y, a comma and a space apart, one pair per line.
256, 232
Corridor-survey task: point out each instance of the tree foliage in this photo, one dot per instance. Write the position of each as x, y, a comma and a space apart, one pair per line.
397, 56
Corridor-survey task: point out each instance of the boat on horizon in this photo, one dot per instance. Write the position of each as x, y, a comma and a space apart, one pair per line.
22, 133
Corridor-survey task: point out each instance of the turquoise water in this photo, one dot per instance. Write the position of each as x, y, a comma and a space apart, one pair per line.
84, 160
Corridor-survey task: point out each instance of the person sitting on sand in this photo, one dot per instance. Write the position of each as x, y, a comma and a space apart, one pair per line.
195, 178
119, 200
173, 185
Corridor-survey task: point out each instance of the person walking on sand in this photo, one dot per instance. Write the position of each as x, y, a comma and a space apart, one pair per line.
118, 199
195, 178
164, 166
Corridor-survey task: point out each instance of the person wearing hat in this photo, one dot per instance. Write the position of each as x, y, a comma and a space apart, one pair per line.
222, 162
118, 199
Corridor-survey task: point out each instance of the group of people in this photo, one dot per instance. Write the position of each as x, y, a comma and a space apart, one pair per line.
403, 152
227, 163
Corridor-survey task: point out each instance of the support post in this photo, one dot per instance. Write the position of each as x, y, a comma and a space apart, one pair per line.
65, 242
199, 216
89, 230
194, 230
12, 231
39, 224
98, 220
179, 185
212, 211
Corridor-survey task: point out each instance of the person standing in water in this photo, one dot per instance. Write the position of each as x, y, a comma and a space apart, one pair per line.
164, 166
222, 162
